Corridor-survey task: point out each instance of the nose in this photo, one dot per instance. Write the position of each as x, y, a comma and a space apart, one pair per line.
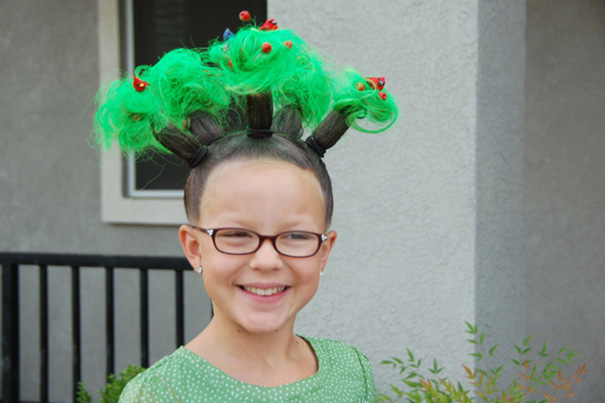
266, 257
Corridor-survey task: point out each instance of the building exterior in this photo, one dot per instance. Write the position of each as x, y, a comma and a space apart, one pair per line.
485, 204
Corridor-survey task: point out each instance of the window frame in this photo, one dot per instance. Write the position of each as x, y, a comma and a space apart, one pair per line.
120, 202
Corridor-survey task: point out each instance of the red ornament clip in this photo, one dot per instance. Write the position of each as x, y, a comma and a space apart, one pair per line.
139, 84
269, 25
245, 16
376, 82
266, 47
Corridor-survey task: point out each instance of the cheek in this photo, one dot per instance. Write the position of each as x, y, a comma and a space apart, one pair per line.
309, 274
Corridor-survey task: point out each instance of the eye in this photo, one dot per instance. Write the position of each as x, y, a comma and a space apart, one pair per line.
298, 236
234, 233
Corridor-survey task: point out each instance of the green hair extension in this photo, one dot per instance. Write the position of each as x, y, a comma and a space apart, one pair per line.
128, 115
279, 62
358, 99
185, 83
187, 86
177, 88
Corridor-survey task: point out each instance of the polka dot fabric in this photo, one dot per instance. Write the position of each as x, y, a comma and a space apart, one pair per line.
344, 375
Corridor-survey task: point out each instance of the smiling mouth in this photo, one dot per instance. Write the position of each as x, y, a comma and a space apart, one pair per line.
265, 292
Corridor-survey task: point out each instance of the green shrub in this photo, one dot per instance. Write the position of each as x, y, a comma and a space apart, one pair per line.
540, 377
112, 391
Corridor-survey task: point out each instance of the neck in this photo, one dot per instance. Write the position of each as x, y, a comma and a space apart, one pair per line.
268, 359
242, 344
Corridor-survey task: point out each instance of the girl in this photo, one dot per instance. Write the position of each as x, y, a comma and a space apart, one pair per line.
259, 201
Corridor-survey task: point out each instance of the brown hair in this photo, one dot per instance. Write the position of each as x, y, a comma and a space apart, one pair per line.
212, 147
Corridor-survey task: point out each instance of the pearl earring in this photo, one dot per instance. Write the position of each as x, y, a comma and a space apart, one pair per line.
199, 270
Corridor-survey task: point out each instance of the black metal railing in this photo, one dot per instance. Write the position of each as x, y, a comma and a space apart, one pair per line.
11, 268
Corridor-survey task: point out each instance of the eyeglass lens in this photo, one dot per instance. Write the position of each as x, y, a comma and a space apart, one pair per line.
239, 241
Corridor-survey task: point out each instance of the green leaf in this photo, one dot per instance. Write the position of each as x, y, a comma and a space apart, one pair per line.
411, 375
83, 396
563, 349
384, 398
471, 329
527, 340
572, 354
396, 390
411, 384
492, 350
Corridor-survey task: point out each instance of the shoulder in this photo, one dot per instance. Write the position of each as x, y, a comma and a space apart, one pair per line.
336, 354
345, 365
160, 382
328, 347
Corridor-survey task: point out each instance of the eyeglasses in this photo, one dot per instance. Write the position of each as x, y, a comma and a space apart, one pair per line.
239, 241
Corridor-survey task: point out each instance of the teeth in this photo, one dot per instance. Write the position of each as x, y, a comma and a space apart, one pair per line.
264, 291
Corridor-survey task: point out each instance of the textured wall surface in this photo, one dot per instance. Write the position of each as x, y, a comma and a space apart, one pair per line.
565, 185
430, 214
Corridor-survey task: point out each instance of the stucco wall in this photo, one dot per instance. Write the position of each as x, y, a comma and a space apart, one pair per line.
430, 215
565, 185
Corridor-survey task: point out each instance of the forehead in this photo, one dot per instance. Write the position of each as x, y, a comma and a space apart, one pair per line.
263, 183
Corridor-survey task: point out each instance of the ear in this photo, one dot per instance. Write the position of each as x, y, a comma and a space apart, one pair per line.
326, 248
189, 238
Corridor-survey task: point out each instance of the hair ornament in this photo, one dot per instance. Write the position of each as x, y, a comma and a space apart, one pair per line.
139, 84
227, 34
315, 146
378, 110
376, 83
277, 62
269, 25
185, 102
245, 16
128, 115
259, 133
266, 47
197, 157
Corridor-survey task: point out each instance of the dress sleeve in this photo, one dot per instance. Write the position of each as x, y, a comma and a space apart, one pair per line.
368, 376
142, 389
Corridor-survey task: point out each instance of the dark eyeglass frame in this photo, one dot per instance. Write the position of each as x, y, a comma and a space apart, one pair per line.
261, 238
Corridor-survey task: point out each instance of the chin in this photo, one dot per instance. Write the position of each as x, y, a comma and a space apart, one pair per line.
263, 326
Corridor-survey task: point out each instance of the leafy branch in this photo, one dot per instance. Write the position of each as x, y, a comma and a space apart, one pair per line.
540, 376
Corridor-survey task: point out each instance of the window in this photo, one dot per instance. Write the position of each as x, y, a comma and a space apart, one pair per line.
144, 189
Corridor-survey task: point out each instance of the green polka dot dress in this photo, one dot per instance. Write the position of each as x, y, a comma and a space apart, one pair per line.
344, 375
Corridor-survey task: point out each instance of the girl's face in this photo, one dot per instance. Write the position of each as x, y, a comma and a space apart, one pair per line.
268, 197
